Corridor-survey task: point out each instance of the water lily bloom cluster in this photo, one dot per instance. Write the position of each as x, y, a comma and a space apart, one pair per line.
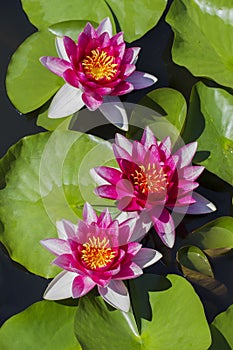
154, 180
97, 69
97, 252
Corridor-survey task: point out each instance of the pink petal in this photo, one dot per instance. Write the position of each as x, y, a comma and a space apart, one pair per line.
191, 172
66, 262
117, 39
201, 206
186, 185
112, 175
89, 30
92, 101
138, 152
114, 111
121, 153
133, 248
141, 80
165, 146
66, 102
129, 204
164, 227
123, 88
143, 225
106, 191
148, 139
127, 70
70, 77
186, 154
116, 294
131, 55
129, 271
66, 229
60, 287
89, 214
105, 26
81, 286
56, 246
124, 143
127, 228
104, 219
124, 188
56, 65
146, 257
70, 46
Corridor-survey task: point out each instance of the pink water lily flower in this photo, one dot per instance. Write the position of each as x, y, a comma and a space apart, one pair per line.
97, 252
154, 180
97, 69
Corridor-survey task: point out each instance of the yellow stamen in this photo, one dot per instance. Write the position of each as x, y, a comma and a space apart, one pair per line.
100, 65
149, 179
96, 254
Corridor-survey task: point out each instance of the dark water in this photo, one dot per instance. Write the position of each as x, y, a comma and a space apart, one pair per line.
19, 288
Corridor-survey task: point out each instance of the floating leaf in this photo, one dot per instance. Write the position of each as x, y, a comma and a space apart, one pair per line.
199, 28
193, 258
47, 179
163, 331
210, 122
221, 329
129, 15
44, 325
164, 110
43, 13
29, 85
196, 267
170, 104
52, 123
216, 234
70, 28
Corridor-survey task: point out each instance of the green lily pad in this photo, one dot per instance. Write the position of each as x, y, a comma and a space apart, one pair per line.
176, 318
216, 234
129, 15
44, 325
52, 123
29, 84
163, 110
199, 28
70, 28
47, 179
209, 121
221, 329
44, 13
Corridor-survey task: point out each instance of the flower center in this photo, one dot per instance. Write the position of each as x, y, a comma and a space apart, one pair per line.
100, 65
95, 253
149, 179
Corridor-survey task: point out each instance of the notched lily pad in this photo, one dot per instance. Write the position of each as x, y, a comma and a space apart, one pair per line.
51, 171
